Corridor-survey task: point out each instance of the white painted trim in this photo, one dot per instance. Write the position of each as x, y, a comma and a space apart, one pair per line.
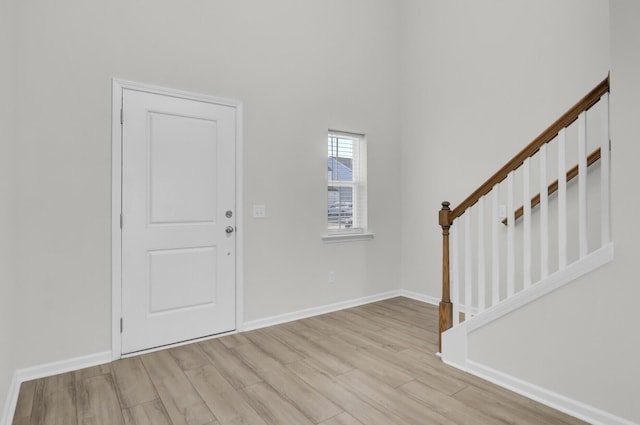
11, 402
495, 249
183, 94
468, 279
116, 208
562, 199
454, 258
419, 297
482, 274
177, 344
511, 223
239, 217
544, 215
549, 398
116, 199
63, 366
454, 346
605, 172
315, 311
44, 370
347, 237
556, 280
582, 185
526, 222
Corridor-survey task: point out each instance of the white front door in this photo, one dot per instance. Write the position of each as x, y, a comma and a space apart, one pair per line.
178, 219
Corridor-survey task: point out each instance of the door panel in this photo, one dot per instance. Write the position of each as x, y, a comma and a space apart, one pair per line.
178, 262
184, 183
194, 268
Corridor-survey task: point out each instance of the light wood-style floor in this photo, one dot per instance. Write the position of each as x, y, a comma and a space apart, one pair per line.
373, 364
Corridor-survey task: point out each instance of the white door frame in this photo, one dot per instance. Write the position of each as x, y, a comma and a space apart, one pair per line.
116, 199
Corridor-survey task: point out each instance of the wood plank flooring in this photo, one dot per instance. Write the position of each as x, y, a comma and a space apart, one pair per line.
368, 365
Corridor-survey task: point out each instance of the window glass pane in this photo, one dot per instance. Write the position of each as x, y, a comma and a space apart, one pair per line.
340, 207
346, 193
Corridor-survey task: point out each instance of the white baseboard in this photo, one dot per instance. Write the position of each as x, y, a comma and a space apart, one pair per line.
10, 402
315, 311
419, 297
55, 368
549, 398
41, 371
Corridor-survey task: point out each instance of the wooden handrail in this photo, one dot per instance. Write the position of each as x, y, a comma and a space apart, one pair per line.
545, 137
553, 187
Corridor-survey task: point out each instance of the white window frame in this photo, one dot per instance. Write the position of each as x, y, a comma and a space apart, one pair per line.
359, 227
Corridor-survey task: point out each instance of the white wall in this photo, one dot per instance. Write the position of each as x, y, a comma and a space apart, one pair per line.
300, 67
7, 52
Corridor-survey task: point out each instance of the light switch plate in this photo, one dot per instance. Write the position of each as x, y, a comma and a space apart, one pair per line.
259, 211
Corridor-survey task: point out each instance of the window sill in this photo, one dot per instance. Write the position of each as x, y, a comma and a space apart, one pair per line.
347, 237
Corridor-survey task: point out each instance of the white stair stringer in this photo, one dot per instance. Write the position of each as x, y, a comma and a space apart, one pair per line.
454, 340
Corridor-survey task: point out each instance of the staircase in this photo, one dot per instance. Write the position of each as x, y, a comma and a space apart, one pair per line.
532, 227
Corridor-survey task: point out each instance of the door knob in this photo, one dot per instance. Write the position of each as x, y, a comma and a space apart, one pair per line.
229, 229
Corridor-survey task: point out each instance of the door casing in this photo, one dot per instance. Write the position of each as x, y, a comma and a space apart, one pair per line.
118, 86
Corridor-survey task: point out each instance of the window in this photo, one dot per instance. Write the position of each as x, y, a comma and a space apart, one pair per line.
346, 183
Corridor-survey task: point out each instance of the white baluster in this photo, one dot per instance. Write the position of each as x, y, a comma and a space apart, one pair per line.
604, 171
582, 184
544, 214
481, 259
510, 236
455, 272
495, 249
526, 191
467, 265
562, 200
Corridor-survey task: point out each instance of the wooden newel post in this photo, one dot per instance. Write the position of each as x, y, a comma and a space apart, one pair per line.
446, 308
